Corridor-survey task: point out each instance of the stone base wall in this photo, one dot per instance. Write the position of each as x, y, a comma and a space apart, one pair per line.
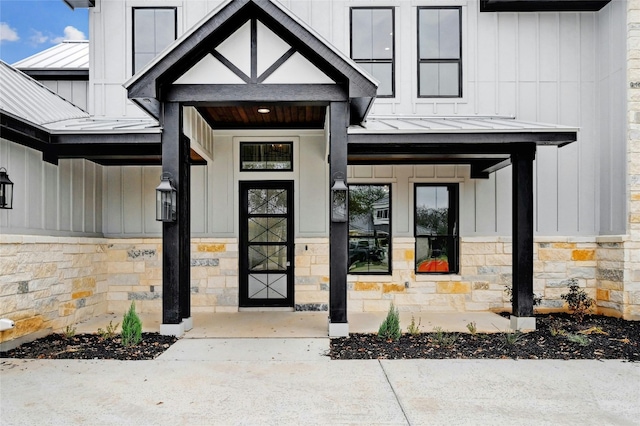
48, 283
607, 269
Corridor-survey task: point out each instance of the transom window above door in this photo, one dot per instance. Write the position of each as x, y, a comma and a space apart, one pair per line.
266, 156
373, 45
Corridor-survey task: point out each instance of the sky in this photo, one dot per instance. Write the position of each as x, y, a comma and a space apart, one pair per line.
31, 26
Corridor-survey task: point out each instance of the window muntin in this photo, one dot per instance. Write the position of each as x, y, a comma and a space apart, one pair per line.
373, 46
369, 229
439, 52
153, 30
266, 156
436, 228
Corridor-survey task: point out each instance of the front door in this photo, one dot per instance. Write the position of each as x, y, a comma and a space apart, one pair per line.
266, 244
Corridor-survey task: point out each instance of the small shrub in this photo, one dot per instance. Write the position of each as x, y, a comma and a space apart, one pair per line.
414, 329
69, 331
390, 327
110, 331
131, 327
580, 339
473, 329
510, 338
443, 338
578, 300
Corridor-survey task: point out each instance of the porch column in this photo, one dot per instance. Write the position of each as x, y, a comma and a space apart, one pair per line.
339, 231
173, 233
184, 225
522, 182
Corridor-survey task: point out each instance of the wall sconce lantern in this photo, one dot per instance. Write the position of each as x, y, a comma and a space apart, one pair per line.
6, 190
339, 196
166, 200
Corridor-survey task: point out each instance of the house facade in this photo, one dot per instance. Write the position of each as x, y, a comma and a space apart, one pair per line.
330, 156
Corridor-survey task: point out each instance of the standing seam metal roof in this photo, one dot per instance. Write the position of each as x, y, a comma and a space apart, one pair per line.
68, 55
25, 98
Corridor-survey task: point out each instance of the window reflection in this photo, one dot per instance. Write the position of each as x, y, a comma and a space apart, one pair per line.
369, 229
436, 230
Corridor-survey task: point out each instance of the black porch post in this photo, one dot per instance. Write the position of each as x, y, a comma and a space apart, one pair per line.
522, 177
172, 159
338, 240
184, 228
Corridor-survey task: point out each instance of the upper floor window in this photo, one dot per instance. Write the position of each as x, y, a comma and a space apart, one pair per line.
372, 45
439, 52
153, 30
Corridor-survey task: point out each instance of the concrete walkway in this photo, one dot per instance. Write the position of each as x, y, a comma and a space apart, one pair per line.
282, 381
255, 368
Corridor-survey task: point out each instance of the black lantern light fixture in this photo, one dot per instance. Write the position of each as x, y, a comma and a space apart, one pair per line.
166, 199
339, 196
6, 190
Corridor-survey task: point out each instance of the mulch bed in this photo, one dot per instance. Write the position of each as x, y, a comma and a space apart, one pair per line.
91, 346
599, 337
606, 338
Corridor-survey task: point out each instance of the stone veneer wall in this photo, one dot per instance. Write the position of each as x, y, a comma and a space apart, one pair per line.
47, 283
631, 293
485, 273
135, 273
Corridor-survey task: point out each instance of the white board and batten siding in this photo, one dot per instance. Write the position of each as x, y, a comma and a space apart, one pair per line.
63, 199
561, 68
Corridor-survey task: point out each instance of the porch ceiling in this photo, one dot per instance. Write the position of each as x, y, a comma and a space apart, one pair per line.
280, 116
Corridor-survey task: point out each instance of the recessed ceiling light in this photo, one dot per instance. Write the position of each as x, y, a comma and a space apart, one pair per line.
264, 110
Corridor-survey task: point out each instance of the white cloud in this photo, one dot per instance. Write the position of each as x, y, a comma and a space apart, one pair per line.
70, 33
7, 33
37, 38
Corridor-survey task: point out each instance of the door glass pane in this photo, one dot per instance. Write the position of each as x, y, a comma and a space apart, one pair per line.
267, 229
267, 201
267, 258
267, 286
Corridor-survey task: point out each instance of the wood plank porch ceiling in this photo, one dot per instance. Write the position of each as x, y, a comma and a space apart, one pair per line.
279, 116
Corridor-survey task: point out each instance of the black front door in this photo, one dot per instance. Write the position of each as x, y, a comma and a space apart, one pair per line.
266, 244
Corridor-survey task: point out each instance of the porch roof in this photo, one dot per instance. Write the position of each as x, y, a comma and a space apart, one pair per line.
485, 143
150, 86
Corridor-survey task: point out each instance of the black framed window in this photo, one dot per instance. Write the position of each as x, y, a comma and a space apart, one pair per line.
373, 45
370, 229
439, 52
153, 30
266, 156
436, 228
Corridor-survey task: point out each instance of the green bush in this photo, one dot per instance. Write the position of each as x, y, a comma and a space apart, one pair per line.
390, 327
578, 300
131, 327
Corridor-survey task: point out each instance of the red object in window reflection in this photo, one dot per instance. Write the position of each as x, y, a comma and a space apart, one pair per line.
434, 265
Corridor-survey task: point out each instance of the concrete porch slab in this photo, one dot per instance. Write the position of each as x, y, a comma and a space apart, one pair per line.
304, 324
